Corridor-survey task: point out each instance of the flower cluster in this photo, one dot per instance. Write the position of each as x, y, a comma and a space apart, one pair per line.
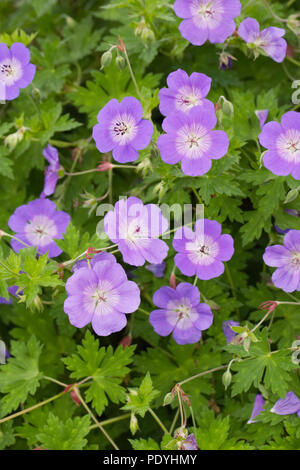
101, 294
15, 70
122, 130
204, 20
283, 144
38, 224
269, 40
180, 311
286, 259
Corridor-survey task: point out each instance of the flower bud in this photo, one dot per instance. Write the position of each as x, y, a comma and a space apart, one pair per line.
120, 61
106, 59
168, 399
291, 195
12, 140
226, 379
36, 94
172, 281
105, 166
134, 424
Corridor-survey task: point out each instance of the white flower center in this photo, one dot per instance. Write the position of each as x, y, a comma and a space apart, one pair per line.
202, 250
187, 98
41, 230
123, 129
10, 71
296, 259
207, 13
101, 298
288, 145
183, 311
193, 141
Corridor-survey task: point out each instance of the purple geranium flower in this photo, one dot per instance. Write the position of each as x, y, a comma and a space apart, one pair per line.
135, 228
283, 144
287, 261
122, 129
13, 291
51, 175
183, 92
189, 138
15, 70
258, 406
190, 443
287, 406
207, 19
262, 115
228, 332
270, 39
157, 269
180, 312
202, 252
38, 224
101, 295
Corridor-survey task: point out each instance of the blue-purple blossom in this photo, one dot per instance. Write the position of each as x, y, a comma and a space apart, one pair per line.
37, 224
288, 405
262, 115
269, 40
101, 295
287, 261
190, 139
258, 406
51, 173
135, 228
183, 92
228, 332
15, 70
204, 20
157, 269
181, 313
121, 129
190, 443
283, 144
202, 252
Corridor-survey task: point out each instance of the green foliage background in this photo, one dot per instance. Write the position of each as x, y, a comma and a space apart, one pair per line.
66, 40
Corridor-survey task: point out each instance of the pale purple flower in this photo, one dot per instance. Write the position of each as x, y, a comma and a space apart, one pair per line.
283, 144
262, 115
287, 261
15, 70
135, 228
287, 406
157, 269
51, 174
180, 312
269, 39
101, 295
13, 291
258, 406
204, 20
183, 92
203, 251
284, 231
37, 224
121, 129
83, 263
190, 443
189, 138
228, 332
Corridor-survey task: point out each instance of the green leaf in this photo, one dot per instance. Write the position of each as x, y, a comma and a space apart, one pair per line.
7, 437
144, 444
65, 435
139, 400
106, 367
21, 376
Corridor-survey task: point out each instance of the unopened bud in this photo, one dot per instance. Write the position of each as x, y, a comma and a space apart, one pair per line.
106, 59
105, 166
75, 398
147, 35
134, 424
168, 399
226, 379
291, 195
12, 140
227, 106
172, 281
38, 303
126, 341
120, 61
36, 94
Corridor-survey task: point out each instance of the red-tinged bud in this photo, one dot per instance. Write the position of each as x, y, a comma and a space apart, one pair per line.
60, 271
126, 341
290, 51
90, 251
105, 166
1, 233
75, 398
270, 305
121, 45
77, 152
172, 281
235, 34
218, 106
